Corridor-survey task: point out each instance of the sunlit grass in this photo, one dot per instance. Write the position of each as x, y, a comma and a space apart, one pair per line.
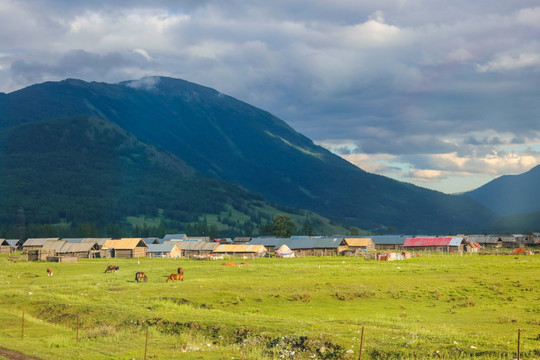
429, 307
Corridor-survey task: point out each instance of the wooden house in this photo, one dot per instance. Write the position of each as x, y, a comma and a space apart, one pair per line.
241, 240
355, 246
240, 250
316, 246
127, 247
169, 250
486, 241
269, 242
150, 241
390, 242
36, 243
192, 249
171, 237
434, 244
81, 250
9, 245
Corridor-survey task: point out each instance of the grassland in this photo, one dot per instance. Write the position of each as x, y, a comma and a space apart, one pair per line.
431, 307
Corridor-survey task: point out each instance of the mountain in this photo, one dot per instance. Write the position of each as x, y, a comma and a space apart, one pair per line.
511, 194
84, 169
230, 140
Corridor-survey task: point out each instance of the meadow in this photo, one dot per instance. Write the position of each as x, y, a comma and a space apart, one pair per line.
429, 307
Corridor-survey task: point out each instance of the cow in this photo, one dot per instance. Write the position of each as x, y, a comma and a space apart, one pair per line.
49, 272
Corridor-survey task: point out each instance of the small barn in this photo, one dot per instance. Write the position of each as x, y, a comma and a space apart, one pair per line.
317, 246
81, 250
430, 243
150, 241
241, 240
9, 245
486, 241
127, 247
354, 246
269, 242
390, 242
240, 250
169, 250
170, 237
36, 243
192, 249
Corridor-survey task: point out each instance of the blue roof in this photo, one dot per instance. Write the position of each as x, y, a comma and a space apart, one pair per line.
389, 240
73, 240
174, 237
312, 243
160, 247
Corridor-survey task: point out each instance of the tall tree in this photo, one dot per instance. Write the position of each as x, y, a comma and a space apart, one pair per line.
283, 226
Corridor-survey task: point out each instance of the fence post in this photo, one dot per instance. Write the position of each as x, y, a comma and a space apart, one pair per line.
22, 326
361, 344
146, 344
519, 345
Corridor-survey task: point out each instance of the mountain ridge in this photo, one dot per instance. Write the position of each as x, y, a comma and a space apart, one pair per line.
510, 194
236, 142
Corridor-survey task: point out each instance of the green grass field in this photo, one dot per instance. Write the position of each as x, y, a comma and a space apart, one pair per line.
431, 307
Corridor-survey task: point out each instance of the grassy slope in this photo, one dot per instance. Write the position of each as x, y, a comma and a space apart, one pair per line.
462, 307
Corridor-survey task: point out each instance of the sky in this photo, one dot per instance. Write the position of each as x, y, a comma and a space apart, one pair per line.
441, 94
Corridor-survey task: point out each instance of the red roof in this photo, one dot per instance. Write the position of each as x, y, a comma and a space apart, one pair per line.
427, 241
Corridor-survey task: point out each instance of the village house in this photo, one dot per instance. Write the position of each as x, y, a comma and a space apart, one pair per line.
192, 249
318, 246
355, 246
434, 244
126, 247
9, 245
169, 250
36, 243
170, 237
390, 242
240, 250
269, 242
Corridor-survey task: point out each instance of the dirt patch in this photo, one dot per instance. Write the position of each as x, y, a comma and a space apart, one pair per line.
14, 355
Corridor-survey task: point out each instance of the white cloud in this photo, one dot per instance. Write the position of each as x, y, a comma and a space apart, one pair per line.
507, 62
143, 53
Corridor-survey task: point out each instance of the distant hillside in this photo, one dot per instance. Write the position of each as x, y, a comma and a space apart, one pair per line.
236, 142
85, 169
511, 194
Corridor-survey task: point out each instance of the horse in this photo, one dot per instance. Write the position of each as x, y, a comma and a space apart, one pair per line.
49, 272
180, 271
139, 276
112, 268
173, 277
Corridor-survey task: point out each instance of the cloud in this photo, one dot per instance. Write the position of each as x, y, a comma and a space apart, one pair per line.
417, 90
507, 62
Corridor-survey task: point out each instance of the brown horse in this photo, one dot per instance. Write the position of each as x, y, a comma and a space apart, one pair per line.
173, 277
180, 271
49, 272
140, 276
112, 268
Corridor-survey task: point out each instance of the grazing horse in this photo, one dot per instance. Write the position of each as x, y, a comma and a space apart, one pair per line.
140, 276
180, 271
49, 272
173, 277
112, 268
